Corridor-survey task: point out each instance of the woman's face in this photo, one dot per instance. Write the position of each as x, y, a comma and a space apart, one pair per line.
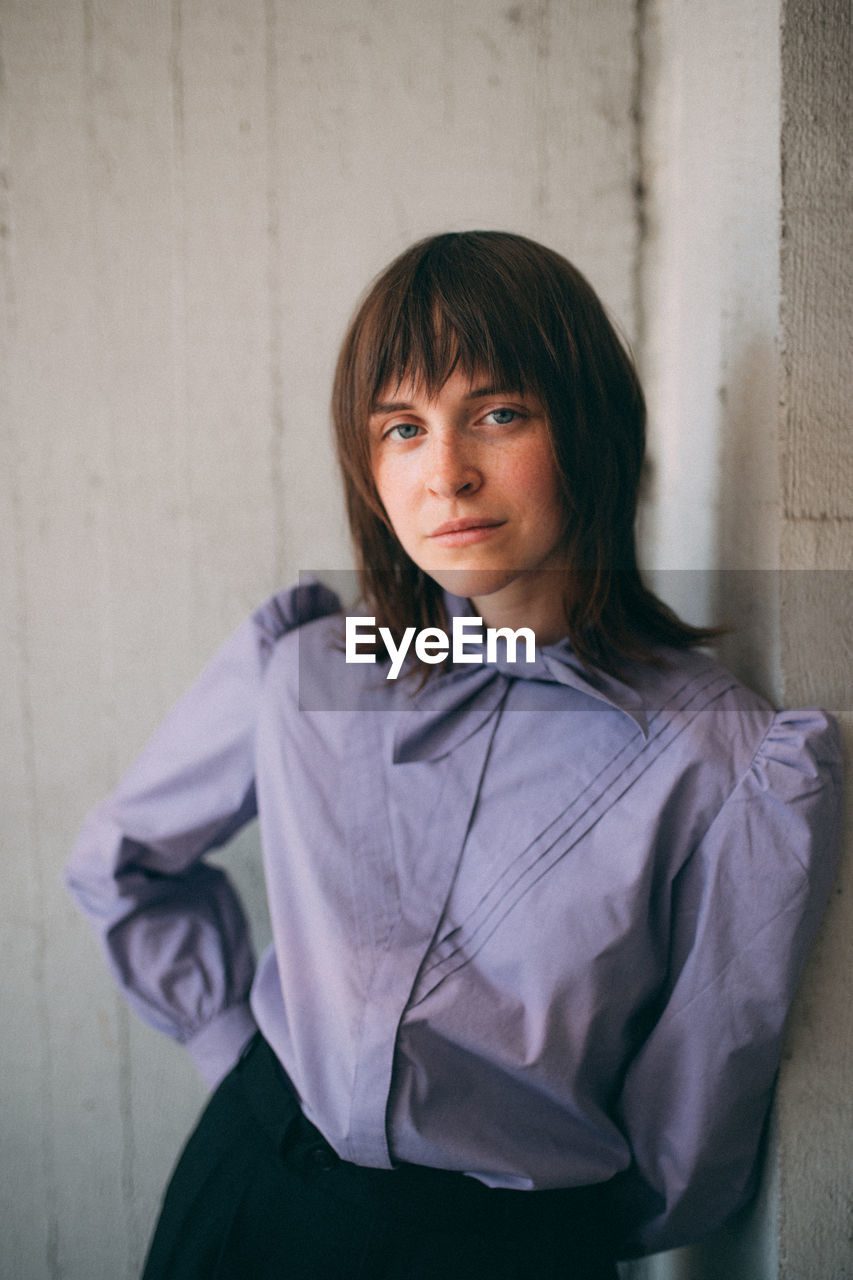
469, 483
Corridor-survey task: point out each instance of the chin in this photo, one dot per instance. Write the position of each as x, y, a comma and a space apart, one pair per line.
472, 582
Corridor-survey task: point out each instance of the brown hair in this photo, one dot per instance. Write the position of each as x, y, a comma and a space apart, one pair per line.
500, 305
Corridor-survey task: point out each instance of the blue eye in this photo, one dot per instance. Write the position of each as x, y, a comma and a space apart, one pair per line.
502, 417
405, 430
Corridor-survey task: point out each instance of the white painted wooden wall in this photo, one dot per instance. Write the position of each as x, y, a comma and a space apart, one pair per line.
192, 194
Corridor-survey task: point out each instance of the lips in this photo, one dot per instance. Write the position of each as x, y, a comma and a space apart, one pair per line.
463, 526
465, 532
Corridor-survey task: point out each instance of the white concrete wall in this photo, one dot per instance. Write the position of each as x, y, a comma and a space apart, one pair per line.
192, 195
710, 307
709, 299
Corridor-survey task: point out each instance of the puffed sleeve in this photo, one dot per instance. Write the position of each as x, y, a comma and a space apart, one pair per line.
172, 927
745, 911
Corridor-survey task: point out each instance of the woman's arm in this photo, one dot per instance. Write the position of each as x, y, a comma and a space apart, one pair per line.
745, 911
172, 926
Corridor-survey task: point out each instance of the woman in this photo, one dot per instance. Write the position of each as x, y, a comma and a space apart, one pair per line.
538, 912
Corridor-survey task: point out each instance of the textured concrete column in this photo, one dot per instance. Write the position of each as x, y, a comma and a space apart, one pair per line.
815, 1100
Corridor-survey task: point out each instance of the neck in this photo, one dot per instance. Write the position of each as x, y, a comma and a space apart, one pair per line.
536, 602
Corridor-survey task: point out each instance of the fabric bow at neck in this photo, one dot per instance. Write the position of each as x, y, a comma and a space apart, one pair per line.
450, 708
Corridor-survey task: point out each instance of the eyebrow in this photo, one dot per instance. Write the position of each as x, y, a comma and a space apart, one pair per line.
402, 406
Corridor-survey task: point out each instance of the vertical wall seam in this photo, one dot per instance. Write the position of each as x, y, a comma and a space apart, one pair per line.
639, 179
21, 631
639, 282
107, 710
541, 53
786, 264
7, 276
47, 1064
180, 328
275, 319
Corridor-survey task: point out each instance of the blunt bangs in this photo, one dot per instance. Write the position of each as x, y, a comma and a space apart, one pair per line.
474, 301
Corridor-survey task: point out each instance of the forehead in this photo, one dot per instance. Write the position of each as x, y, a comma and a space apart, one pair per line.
412, 385
412, 388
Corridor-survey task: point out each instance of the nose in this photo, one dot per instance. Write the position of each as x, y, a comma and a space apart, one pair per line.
451, 467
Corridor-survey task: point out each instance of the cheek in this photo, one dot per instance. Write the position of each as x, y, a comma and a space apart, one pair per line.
394, 496
533, 479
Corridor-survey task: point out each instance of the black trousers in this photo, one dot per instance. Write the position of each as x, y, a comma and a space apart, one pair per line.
258, 1194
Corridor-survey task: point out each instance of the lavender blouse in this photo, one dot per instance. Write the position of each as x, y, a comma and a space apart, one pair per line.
531, 923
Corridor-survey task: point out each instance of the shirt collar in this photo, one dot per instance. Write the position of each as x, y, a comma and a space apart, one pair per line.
451, 707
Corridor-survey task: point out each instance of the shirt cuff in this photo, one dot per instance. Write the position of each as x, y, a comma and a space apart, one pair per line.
216, 1048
